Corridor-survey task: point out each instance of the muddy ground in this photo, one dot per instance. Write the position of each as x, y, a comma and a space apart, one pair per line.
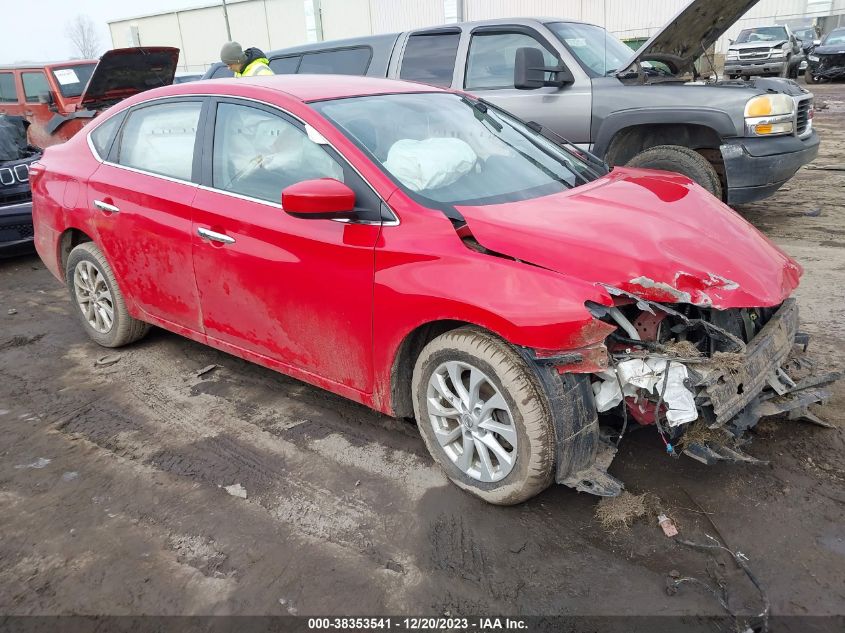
112, 477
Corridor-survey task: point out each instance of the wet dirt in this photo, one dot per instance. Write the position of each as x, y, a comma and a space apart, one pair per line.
345, 513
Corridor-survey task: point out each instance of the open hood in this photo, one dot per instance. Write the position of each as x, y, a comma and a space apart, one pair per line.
686, 36
123, 72
656, 235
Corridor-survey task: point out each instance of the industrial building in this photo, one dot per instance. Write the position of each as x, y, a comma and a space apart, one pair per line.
272, 24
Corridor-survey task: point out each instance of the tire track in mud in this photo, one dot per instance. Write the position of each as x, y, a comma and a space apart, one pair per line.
332, 487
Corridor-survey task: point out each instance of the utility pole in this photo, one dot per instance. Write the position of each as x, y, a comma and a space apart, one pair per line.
226, 17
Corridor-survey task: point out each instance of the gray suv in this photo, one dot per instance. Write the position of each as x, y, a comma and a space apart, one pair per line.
741, 140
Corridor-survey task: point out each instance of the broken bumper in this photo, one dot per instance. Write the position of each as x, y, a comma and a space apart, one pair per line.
757, 167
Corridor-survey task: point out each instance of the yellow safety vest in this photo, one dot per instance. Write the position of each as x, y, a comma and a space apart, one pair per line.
256, 68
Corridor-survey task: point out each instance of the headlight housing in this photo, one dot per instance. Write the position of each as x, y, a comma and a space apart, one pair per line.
770, 115
777, 52
732, 55
813, 58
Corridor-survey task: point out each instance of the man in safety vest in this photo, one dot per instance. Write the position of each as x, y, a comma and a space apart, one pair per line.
245, 63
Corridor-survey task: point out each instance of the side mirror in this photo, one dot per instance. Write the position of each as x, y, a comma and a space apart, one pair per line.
324, 198
731, 42
529, 71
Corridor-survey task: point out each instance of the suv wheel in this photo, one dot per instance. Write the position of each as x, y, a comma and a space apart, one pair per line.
483, 417
681, 160
99, 301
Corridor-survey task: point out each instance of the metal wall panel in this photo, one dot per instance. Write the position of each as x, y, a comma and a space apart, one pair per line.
286, 19
345, 18
389, 16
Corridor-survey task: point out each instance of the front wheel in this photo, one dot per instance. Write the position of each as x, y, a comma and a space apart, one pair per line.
681, 160
483, 417
98, 299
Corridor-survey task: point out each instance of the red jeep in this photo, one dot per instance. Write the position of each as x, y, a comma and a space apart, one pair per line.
57, 99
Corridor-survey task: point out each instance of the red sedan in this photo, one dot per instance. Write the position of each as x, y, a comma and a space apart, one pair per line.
428, 255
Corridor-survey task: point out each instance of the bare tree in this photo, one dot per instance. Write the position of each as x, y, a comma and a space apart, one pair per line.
84, 36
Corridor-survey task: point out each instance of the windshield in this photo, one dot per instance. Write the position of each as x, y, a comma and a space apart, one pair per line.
446, 149
835, 37
762, 34
598, 52
73, 79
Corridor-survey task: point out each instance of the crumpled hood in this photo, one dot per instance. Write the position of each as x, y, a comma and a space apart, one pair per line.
654, 234
692, 31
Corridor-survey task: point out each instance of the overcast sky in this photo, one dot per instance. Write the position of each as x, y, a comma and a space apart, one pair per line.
34, 30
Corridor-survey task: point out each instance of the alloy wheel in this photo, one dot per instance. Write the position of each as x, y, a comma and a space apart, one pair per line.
472, 421
93, 296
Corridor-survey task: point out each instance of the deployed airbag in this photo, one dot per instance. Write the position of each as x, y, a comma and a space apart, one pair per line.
431, 163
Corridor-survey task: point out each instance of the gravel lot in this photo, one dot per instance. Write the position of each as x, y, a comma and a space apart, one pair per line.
113, 476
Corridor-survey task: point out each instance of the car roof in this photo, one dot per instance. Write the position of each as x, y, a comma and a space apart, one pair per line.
68, 62
304, 88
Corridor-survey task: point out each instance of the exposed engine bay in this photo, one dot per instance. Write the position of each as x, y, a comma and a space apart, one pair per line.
702, 376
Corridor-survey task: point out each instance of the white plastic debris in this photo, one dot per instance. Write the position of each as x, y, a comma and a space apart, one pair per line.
668, 525
236, 490
429, 164
648, 375
41, 462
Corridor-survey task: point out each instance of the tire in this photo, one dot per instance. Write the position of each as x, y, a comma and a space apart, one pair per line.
524, 417
681, 160
116, 329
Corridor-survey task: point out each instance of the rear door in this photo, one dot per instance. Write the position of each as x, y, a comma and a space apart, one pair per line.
141, 197
292, 290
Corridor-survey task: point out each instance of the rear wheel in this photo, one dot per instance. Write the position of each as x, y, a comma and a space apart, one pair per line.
99, 302
483, 417
682, 160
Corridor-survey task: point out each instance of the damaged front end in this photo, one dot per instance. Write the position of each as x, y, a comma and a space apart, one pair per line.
701, 376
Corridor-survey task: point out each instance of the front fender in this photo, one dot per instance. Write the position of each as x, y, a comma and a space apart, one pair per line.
718, 121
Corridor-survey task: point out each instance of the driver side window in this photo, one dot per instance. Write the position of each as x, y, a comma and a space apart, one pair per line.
257, 154
490, 63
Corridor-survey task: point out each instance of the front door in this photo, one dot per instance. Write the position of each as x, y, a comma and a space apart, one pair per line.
141, 197
489, 74
295, 291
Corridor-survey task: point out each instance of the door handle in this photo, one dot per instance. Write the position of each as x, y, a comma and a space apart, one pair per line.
105, 206
214, 236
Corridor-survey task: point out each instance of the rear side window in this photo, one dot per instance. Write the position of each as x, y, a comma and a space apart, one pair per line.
8, 94
430, 58
222, 72
490, 63
284, 65
349, 61
160, 139
103, 135
34, 84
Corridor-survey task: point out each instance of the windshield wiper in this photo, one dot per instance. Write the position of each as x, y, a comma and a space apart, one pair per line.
480, 113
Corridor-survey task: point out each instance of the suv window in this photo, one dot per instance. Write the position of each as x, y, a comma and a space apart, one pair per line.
492, 55
257, 153
430, 58
160, 139
348, 61
285, 65
34, 84
8, 94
